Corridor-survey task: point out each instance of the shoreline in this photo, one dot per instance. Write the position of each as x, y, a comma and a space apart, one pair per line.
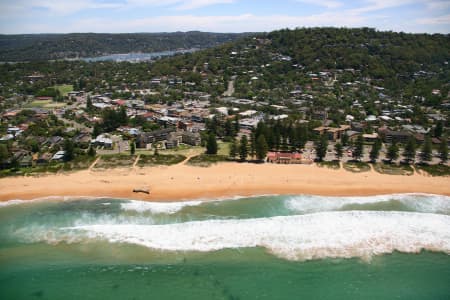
223, 180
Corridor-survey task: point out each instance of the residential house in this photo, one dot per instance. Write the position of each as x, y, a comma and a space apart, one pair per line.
333, 133
173, 140
191, 138
59, 156
154, 136
391, 136
103, 140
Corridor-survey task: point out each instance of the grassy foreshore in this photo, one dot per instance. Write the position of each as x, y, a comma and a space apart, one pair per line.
226, 179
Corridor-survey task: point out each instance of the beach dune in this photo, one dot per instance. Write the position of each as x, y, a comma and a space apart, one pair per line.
182, 182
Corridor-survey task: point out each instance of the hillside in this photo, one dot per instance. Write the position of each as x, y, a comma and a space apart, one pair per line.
292, 57
28, 47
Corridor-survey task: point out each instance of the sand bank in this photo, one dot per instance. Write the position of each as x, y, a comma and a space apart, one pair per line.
182, 182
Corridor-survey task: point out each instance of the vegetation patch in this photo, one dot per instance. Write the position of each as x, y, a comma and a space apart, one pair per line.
44, 104
205, 160
357, 166
335, 165
394, 169
435, 170
79, 163
114, 161
64, 89
155, 160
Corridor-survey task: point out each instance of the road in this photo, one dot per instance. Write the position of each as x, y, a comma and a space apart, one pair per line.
230, 91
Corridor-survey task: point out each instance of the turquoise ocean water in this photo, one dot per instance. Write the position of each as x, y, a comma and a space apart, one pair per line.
267, 247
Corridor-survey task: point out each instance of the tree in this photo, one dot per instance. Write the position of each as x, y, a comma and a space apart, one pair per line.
91, 151
339, 151
443, 151
425, 156
243, 149
252, 144
89, 105
234, 148
96, 130
236, 124
392, 152
229, 128
132, 147
69, 150
359, 148
438, 129
211, 144
344, 139
410, 150
321, 147
122, 116
261, 147
375, 151
4, 153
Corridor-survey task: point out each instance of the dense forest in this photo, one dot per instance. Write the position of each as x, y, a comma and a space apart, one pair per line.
269, 66
397, 61
29, 47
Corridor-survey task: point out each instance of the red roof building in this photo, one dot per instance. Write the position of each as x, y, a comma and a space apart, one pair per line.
284, 158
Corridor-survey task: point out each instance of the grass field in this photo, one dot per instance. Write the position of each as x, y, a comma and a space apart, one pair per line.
435, 170
393, 169
64, 89
205, 160
45, 104
152, 160
357, 167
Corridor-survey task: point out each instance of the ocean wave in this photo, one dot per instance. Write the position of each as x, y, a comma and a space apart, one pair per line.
48, 199
427, 203
320, 235
157, 207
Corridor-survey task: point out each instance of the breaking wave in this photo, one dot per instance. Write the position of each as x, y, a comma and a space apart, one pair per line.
401, 202
319, 235
158, 207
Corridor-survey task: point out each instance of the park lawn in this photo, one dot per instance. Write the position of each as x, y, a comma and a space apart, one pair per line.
393, 169
334, 165
435, 170
115, 160
205, 160
223, 148
44, 104
356, 166
64, 89
155, 160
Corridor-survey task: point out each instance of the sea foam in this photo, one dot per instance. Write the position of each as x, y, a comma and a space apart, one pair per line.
414, 202
157, 207
319, 235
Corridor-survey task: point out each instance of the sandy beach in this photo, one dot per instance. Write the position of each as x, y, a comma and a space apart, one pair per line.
182, 182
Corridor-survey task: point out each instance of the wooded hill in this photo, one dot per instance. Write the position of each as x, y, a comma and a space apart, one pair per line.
29, 47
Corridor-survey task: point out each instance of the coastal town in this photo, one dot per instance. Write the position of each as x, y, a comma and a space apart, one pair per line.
224, 149
329, 116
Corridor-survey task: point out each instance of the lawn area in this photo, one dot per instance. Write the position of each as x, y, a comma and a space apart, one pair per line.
64, 89
115, 160
79, 163
435, 170
224, 148
183, 149
393, 169
205, 160
44, 104
335, 165
167, 160
357, 167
